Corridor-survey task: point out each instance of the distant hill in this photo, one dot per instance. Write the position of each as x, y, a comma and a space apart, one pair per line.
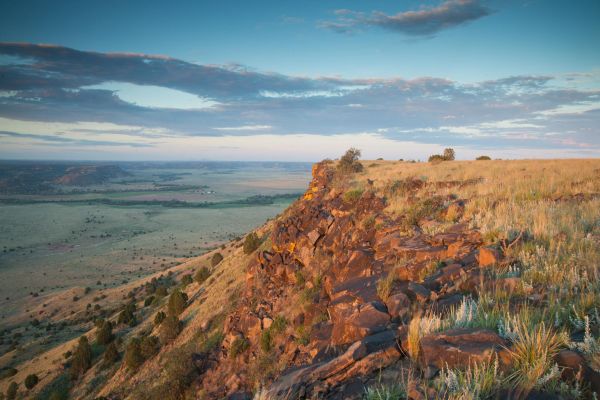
90, 175
40, 178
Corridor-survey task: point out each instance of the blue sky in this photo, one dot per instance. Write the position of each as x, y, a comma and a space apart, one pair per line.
285, 80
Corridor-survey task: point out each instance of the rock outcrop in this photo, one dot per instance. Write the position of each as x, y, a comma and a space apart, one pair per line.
347, 277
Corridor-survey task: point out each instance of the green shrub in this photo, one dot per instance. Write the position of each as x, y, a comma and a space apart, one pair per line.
177, 302
133, 354
82, 358
31, 381
11, 392
8, 372
279, 324
148, 301
449, 155
266, 340
186, 279
216, 259
238, 346
179, 371
303, 335
127, 316
349, 162
169, 329
352, 196
251, 243
202, 275
149, 346
104, 334
111, 355
435, 158
426, 208
483, 158
159, 318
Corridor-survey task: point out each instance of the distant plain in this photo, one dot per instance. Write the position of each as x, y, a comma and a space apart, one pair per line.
82, 236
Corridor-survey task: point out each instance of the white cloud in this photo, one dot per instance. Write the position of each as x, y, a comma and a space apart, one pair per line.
571, 109
87, 130
156, 96
244, 128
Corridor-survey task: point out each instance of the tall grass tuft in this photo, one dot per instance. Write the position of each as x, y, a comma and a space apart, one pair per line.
478, 381
532, 352
385, 392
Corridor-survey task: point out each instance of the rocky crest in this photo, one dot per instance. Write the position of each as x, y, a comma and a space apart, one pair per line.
317, 318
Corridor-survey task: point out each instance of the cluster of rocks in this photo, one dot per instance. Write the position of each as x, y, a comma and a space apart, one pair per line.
330, 254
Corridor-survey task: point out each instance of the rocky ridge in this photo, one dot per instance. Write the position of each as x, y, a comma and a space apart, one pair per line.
317, 319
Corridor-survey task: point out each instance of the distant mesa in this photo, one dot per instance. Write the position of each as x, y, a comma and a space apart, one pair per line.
90, 175
46, 177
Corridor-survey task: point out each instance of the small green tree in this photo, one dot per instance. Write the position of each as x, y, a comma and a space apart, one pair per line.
159, 318
133, 354
449, 154
127, 316
104, 334
31, 381
11, 392
149, 346
82, 358
169, 329
202, 275
179, 372
483, 158
186, 279
148, 301
177, 302
111, 355
349, 161
216, 259
251, 243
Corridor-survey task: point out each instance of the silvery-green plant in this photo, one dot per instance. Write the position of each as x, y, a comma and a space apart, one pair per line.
464, 315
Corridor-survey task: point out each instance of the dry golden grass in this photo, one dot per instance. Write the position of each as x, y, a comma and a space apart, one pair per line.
420, 326
553, 207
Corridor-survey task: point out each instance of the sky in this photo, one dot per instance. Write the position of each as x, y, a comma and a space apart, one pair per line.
298, 81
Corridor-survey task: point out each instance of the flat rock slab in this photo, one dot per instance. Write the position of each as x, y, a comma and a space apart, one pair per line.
362, 357
359, 264
459, 348
365, 320
363, 289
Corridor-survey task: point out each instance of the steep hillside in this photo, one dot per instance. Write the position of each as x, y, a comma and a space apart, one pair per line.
389, 280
